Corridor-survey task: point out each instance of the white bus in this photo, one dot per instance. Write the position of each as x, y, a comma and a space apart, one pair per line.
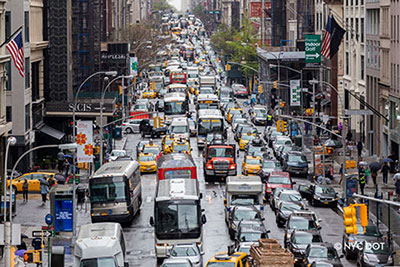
178, 217
209, 121
115, 192
175, 105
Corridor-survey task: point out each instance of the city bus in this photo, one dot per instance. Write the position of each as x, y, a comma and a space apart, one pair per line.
177, 77
209, 121
115, 192
176, 165
175, 105
178, 217
207, 101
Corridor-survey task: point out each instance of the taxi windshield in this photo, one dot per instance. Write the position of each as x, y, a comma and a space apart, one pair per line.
248, 137
146, 158
181, 147
151, 150
221, 264
253, 161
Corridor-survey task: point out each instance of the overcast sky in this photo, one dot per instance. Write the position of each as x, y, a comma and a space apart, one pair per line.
176, 3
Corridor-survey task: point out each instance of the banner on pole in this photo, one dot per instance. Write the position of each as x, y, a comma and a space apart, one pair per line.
84, 140
133, 64
295, 99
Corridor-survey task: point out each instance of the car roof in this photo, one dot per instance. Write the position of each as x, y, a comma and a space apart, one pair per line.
321, 245
280, 174
245, 208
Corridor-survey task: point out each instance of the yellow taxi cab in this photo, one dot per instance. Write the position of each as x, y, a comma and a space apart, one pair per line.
152, 149
181, 145
251, 165
33, 179
166, 144
147, 163
149, 94
245, 138
233, 111
237, 259
176, 31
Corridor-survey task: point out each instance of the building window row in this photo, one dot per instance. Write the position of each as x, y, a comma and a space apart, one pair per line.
395, 31
373, 57
395, 78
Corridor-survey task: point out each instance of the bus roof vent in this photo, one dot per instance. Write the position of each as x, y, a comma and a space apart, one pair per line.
177, 187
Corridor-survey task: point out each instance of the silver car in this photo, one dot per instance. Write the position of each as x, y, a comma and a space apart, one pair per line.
131, 126
176, 263
187, 251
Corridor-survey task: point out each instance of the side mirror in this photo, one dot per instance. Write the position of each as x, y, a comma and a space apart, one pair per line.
341, 256
203, 219
201, 195
293, 183
151, 221
203, 210
319, 220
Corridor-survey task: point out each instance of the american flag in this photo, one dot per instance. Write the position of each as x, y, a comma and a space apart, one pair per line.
326, 40
16, 49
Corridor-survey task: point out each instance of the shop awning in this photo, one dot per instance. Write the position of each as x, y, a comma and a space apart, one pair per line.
52, 132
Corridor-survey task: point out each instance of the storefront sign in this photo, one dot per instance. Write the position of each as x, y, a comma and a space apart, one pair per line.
80, 107
84, 140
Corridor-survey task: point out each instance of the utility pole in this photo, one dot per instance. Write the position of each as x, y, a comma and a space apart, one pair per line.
123, 99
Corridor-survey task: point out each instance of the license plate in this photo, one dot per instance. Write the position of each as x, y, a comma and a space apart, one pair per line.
148, 168
326, 202
220, 171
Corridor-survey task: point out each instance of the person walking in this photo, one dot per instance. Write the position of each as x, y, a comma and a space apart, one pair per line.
374, 174
359, 148
385, 172
66, 167
361, 180
25, 187
44, 189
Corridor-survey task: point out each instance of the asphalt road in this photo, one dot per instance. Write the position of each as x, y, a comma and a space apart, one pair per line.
140, 236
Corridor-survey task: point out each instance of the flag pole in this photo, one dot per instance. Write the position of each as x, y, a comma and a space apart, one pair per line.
11, 36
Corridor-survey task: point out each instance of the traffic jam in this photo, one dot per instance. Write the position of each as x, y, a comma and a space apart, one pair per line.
211, 179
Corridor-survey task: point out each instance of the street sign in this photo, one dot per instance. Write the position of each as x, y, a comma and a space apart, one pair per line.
46, 233
313, 48
295, 97
213, 11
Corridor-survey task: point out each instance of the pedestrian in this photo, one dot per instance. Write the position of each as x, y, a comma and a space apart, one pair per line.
52, 182
359, 148
66, 167
385, 172
361, 180
374, 174
60, 166
340, 127
25, 187
349, 136
44, 189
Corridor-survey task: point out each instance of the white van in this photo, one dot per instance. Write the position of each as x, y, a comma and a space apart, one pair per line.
179, 128
100, 244
244, 191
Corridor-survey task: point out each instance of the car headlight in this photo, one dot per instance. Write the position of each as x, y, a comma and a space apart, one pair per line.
246, 167
317, 198
390, 259
287, 235
365, 258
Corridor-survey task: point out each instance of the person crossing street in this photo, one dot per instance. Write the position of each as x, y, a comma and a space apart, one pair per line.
362, 180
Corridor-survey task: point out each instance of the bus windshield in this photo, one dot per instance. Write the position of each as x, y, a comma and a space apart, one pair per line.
207, 106
174, 107
107, 190
175, 221
209, 126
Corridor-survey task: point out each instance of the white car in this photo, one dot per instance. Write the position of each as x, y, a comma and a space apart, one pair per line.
187, 251
281, 141
131, 126
117, 153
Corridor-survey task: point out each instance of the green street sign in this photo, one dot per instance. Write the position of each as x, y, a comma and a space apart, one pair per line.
313, 48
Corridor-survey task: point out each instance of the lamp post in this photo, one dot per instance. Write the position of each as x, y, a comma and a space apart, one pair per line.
108, 73
101, 113
11, 141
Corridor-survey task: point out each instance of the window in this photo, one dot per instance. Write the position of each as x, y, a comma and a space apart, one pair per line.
347, 63
27, 72
26, 26
362, 67
8, 113
8, 70
8, 24
362, 30
35, 81
27, 117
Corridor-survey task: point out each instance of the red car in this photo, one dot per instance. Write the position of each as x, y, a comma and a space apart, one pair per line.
277, 179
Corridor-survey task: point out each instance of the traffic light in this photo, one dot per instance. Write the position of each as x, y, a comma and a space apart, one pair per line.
276, 84
350, 219
284, 126
278, 125
28, 256
328, 150
96, 150
227, 67
363, 215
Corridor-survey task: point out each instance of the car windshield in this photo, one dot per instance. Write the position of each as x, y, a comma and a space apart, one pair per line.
146, 158
151, 150
302, 224
248, 137
107, 191
206, 91
271, 164
297, 158
249, 237
174, 107
223, 152
382, 248
253, 161
176, 264
181, 147
209, 125
184, 251
324, 190
290, 197
245, 200
235, 111
283, 141
179, 129
306, 238
245, 215
117, 153
323, 252
221, 264
141, 107
288, 206
279, 180
98, 262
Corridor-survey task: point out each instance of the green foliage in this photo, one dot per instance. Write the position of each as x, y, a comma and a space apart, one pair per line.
161, 5
238, 45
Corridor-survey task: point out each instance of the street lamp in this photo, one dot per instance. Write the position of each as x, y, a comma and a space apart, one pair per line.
101, 112
11, 141
107, 73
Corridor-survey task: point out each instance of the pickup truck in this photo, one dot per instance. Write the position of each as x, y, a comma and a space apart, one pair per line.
146, 127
